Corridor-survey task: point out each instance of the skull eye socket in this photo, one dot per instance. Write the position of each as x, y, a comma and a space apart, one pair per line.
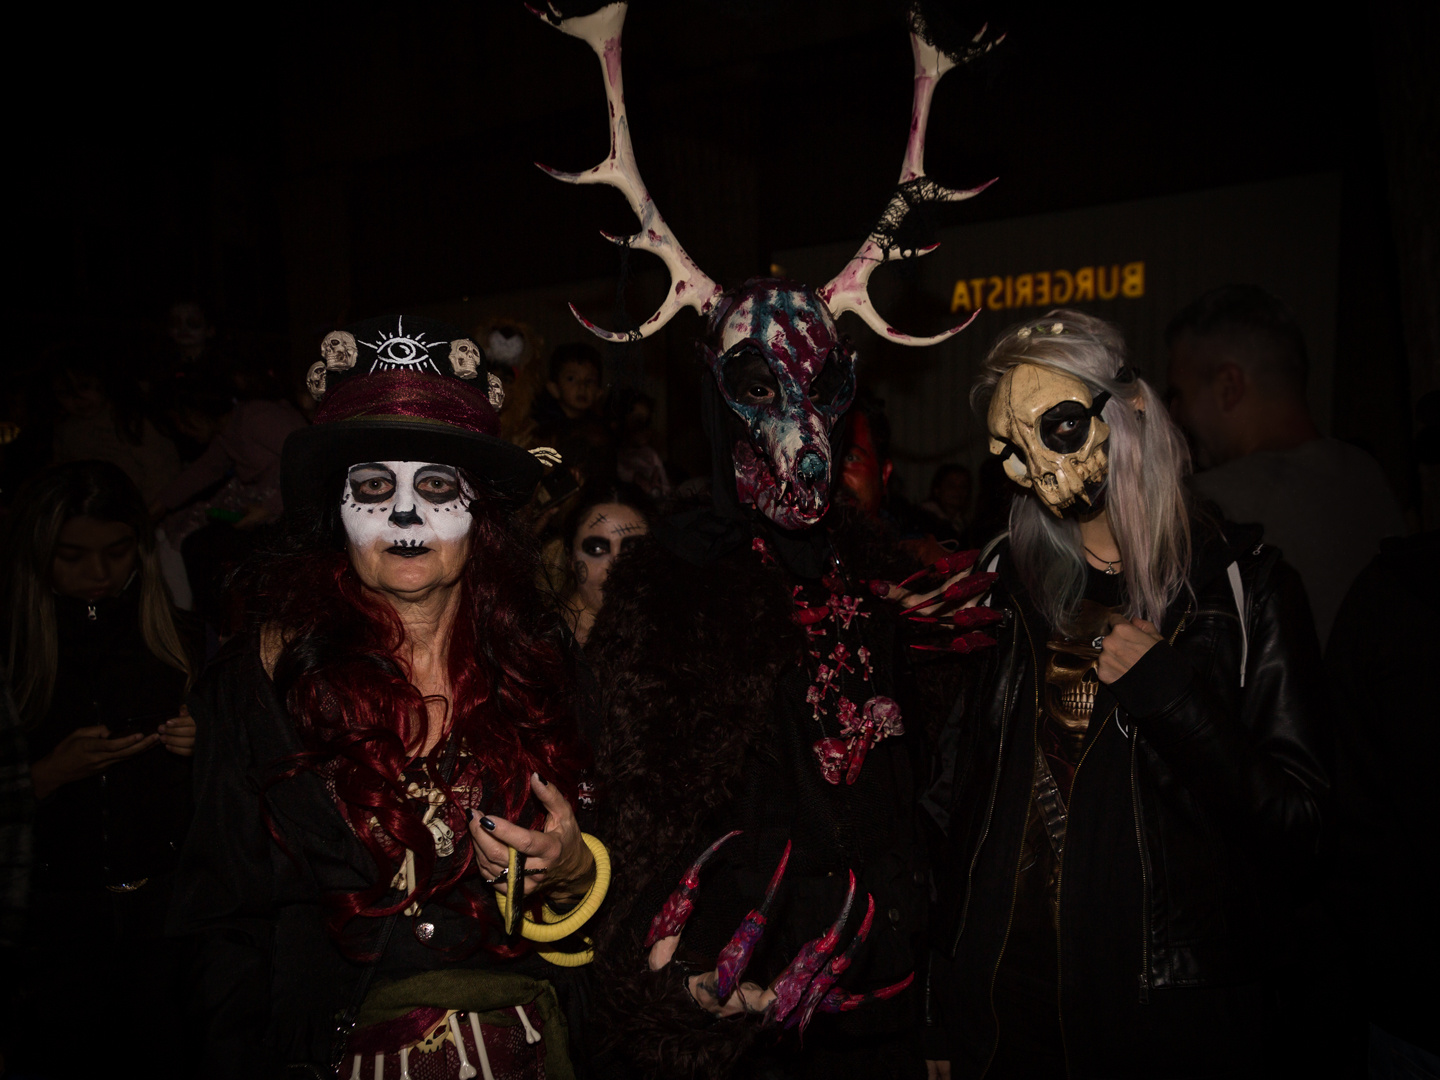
1065, 427
826, 387
1011, 460
748, 378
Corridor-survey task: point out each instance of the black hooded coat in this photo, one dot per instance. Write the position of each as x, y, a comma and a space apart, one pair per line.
703, 677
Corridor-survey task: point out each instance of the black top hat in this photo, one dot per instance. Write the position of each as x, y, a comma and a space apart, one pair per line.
403, 389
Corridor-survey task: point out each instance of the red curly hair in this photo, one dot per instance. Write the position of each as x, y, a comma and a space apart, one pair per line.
510, 714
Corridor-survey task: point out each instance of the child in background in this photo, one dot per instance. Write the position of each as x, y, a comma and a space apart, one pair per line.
572, 390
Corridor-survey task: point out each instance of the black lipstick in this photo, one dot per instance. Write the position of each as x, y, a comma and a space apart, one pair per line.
408, 549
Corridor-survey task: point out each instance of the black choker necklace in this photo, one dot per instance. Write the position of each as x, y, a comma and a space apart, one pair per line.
1109, 565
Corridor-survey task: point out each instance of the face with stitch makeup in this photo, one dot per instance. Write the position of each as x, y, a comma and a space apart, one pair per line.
407, 524
600, 533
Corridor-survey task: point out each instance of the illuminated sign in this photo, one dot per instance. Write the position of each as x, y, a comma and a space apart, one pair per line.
1045, 287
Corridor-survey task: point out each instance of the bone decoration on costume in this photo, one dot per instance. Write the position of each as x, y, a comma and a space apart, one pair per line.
1045, 426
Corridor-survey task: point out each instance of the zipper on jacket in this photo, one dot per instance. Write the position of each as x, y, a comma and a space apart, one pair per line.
985, 829
1059, 886
1144, 879
1144, 977
1015, 887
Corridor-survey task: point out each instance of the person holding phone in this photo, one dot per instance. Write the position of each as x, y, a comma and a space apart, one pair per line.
99, 662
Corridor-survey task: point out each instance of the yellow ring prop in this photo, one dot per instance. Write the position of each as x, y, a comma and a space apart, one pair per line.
567, 959
557, 926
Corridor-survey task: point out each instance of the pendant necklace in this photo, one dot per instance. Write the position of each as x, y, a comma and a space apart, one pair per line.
1109, 564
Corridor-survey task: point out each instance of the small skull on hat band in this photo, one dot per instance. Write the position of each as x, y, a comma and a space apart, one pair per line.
465, 359
1045, 426
339, 350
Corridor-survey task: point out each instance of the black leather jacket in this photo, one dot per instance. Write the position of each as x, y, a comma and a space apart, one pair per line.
1195, 806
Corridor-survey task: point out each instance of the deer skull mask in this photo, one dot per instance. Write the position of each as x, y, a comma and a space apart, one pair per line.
784, 370
774, 351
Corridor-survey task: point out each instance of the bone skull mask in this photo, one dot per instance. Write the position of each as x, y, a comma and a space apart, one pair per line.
784, 370
1046, 427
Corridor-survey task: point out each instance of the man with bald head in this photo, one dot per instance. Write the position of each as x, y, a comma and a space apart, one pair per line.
1237, 387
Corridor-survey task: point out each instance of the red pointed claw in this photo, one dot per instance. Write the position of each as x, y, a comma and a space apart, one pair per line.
735, 957
791, 985
965, 618
954, 563
837, 1000
974, 585
965, 643
945, 566
671, 918
827, 978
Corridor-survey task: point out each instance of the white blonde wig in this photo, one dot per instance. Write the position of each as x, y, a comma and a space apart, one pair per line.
1143, 493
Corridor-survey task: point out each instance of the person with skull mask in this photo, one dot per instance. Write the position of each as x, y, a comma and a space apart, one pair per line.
1133, 778
392, 749
757, 779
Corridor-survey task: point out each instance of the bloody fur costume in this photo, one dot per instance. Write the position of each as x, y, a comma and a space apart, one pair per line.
757, 781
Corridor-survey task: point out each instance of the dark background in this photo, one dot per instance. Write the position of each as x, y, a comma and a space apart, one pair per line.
294, 167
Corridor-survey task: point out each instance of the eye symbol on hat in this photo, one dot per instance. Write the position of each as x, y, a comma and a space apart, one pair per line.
399, 350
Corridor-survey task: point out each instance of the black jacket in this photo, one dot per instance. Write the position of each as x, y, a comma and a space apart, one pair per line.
1387, 858
127, 823
1196, 804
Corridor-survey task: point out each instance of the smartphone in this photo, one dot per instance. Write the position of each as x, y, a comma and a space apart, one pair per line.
143, 724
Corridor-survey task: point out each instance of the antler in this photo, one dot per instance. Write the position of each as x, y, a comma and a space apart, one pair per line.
849, 290
689, 285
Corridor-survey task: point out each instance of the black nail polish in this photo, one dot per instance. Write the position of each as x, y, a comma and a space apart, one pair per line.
543, 781
487, 824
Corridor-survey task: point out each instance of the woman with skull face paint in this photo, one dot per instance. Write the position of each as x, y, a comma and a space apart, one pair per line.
1132, 778
393, 750
609, 519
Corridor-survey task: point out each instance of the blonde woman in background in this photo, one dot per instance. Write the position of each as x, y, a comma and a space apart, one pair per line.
100, 663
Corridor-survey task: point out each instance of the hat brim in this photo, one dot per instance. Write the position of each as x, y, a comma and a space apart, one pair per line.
313, 455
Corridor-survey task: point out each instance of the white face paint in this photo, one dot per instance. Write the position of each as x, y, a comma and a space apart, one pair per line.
404, 508
607, 530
